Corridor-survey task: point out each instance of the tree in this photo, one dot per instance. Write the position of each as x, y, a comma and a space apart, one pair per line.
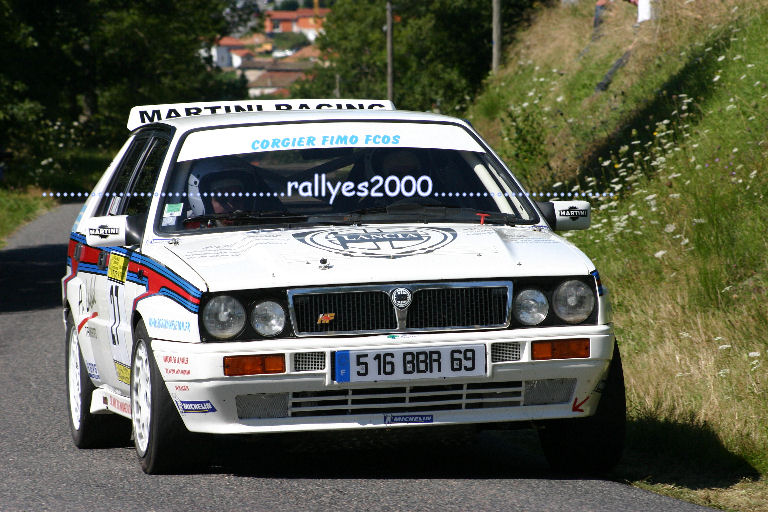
90, 61
442, 51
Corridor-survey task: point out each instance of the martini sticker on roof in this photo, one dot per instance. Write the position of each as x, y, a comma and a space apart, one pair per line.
147, 114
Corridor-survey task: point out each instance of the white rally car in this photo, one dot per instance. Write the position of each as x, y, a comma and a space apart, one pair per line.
330, 265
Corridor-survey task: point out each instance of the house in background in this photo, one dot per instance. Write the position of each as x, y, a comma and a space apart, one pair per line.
307, 21
232, 52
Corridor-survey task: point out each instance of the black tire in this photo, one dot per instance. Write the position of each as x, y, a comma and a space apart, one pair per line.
88, 430
163, 444
593, 444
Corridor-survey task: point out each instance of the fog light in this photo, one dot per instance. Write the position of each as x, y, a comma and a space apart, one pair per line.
560, 349
254, 365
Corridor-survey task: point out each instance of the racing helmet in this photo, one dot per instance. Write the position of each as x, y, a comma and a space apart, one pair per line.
210, 173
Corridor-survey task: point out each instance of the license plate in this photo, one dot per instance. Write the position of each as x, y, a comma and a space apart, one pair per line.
410, 363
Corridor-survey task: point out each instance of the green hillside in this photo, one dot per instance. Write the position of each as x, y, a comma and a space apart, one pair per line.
679, 134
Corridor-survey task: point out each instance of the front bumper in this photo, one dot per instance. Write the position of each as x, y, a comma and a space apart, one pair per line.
306, 397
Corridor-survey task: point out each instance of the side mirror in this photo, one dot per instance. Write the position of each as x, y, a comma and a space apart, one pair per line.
566, 215
114, 230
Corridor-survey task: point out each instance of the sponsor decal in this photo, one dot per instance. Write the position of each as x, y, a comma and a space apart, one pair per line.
401, 297
573, 212
156, 113
325, 318
394, 419
103, 231
181, 387
176, 371
118, 268
378, 242
198, 407
170, 325
93, 371
123, 406
123, 372
313, 141
175, 360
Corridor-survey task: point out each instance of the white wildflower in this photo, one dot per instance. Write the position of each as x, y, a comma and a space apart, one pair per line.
660, 254
723, 347
754, 354
723, 372
717, 77
685, 334
669, 228
699, 221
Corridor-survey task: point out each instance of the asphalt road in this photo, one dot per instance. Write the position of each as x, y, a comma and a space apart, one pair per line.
42, 470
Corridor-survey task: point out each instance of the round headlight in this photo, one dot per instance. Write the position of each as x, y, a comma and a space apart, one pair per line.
530, 307
268, 318
224, 317
573, 301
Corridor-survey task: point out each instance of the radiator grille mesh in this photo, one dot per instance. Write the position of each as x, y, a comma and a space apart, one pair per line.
501, 352
458, 307
308, 361
262, 405
549, 391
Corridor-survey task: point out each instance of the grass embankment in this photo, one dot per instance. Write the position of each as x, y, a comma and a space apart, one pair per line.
681, 137
73, 171
17, 208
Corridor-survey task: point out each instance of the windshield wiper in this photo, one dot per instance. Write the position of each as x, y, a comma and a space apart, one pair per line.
275, 217
251, 217
439, 212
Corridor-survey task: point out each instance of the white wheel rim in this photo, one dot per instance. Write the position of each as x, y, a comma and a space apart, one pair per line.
75, 401
141, 397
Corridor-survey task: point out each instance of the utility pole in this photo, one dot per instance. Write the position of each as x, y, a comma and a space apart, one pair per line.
496, 60
390, 66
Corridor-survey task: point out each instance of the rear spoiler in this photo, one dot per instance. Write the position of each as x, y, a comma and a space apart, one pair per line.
146, 114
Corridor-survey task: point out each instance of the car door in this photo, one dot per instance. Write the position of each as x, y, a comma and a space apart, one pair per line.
129, 193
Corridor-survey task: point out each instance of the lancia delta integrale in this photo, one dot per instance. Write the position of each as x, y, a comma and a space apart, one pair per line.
330, 265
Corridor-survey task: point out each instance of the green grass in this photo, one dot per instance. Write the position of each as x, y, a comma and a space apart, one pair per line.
680, 138
18, 207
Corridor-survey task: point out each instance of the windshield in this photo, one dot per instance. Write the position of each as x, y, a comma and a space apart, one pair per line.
306, 179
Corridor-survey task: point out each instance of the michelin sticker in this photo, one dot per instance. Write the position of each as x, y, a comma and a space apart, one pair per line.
198, 407
379, 242
394, 419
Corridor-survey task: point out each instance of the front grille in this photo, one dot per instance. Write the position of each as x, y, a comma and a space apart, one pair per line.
458, 307
369, 308
406, 399
344, 312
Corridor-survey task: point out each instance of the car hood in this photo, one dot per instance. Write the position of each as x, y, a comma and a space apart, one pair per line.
335, 255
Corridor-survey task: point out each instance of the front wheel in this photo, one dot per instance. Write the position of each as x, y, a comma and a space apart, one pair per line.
163, 444
593, 444
88, 430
